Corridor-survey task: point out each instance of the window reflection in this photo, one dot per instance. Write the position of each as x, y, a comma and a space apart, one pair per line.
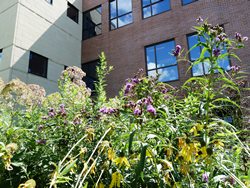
120, 13
185, 2
92, 23
160, 61
203, 67
154, 7
91, 75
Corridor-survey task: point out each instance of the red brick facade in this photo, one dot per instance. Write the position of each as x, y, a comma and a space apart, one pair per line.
124, 47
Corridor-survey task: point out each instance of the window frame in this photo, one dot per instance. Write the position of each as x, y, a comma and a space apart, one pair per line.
1, 52
189, 56
150, 5
69, 5
45, 74
146, 63
183, 4
49, 1
110, 19
99, 6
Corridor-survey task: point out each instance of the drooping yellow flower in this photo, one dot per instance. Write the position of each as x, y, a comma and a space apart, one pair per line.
28, 184
189, 151
100, 185
116, 180
196, 128
122, 161
111, 154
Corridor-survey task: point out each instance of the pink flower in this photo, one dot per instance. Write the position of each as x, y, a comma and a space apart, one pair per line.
151, 109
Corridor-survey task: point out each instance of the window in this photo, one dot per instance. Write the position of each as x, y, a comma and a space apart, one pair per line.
154, 7
49, 1
72, 12
120, 13
203, 67
185, 2
91, 76
92, 23
160, 61
38, 65
1, 54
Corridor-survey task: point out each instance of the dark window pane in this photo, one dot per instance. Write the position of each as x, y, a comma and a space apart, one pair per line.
160, 61
155, 7
91, 76
72, 12
92, 23
49, 1
38, 65
120, 13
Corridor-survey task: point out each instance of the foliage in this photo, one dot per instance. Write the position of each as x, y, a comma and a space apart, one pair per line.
151, 135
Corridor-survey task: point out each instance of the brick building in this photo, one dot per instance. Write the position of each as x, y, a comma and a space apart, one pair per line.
136, 33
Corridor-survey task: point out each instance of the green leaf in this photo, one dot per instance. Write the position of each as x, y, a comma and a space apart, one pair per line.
141, 163
68, 167
131, 136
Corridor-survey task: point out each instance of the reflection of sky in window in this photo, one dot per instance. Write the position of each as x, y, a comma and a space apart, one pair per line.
147, 12
187, 1
152, 73
168, 74
160, 7
150, 57
163, 54
124, 6
124, 20
145, 2
197, 70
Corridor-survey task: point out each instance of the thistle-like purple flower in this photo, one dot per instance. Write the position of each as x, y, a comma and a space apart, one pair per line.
205, 177
77, 121
62, 110
106, 110
137, 112
52, 112
177, 50
148, 100
235, 68
199, 19
41, 141
216, 52
128, 87
151, 109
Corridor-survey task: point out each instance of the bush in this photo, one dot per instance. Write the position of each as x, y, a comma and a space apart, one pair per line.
151, 135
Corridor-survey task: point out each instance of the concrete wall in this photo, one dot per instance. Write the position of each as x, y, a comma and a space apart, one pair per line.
46, 30
124, 47
8, 11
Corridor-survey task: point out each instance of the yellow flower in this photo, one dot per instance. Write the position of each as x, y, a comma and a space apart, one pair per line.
100, 185
122, 161
116, 180
196, 128
111, 154
189, 151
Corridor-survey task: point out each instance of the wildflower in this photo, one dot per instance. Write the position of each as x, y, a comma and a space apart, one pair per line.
205, 177
41, 141
62, 111
231, 180
151, 109
106, 110
221, 37
52, 112
164, 91
137, 112
177, 51
122, 161
216, 52
148, 100
40, 127
12, 147
135, 80
199, 19
235, 68
245, 39
116, 180
238, 36
77, 121
128, 87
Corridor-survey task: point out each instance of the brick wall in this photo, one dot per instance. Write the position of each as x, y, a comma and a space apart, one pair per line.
124, 47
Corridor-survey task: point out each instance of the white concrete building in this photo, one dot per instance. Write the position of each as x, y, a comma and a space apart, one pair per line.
38, 38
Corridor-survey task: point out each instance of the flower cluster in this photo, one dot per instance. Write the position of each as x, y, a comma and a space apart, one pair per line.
107, 110
177, 50
239, 37
138, 106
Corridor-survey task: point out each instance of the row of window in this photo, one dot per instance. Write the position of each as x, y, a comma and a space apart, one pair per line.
120, 14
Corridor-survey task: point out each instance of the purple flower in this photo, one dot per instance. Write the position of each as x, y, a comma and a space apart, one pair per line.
231, 180
52, 112
62, 110
205, 177
128, 87
245, 39
77, 121
220, 38
199, 19
137, 112
164, 91
41, 141
151, 109
148, 100
177, 50
238, 37
135, 80
216, 52
40, 127
106, 110
139, 102
235, 68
